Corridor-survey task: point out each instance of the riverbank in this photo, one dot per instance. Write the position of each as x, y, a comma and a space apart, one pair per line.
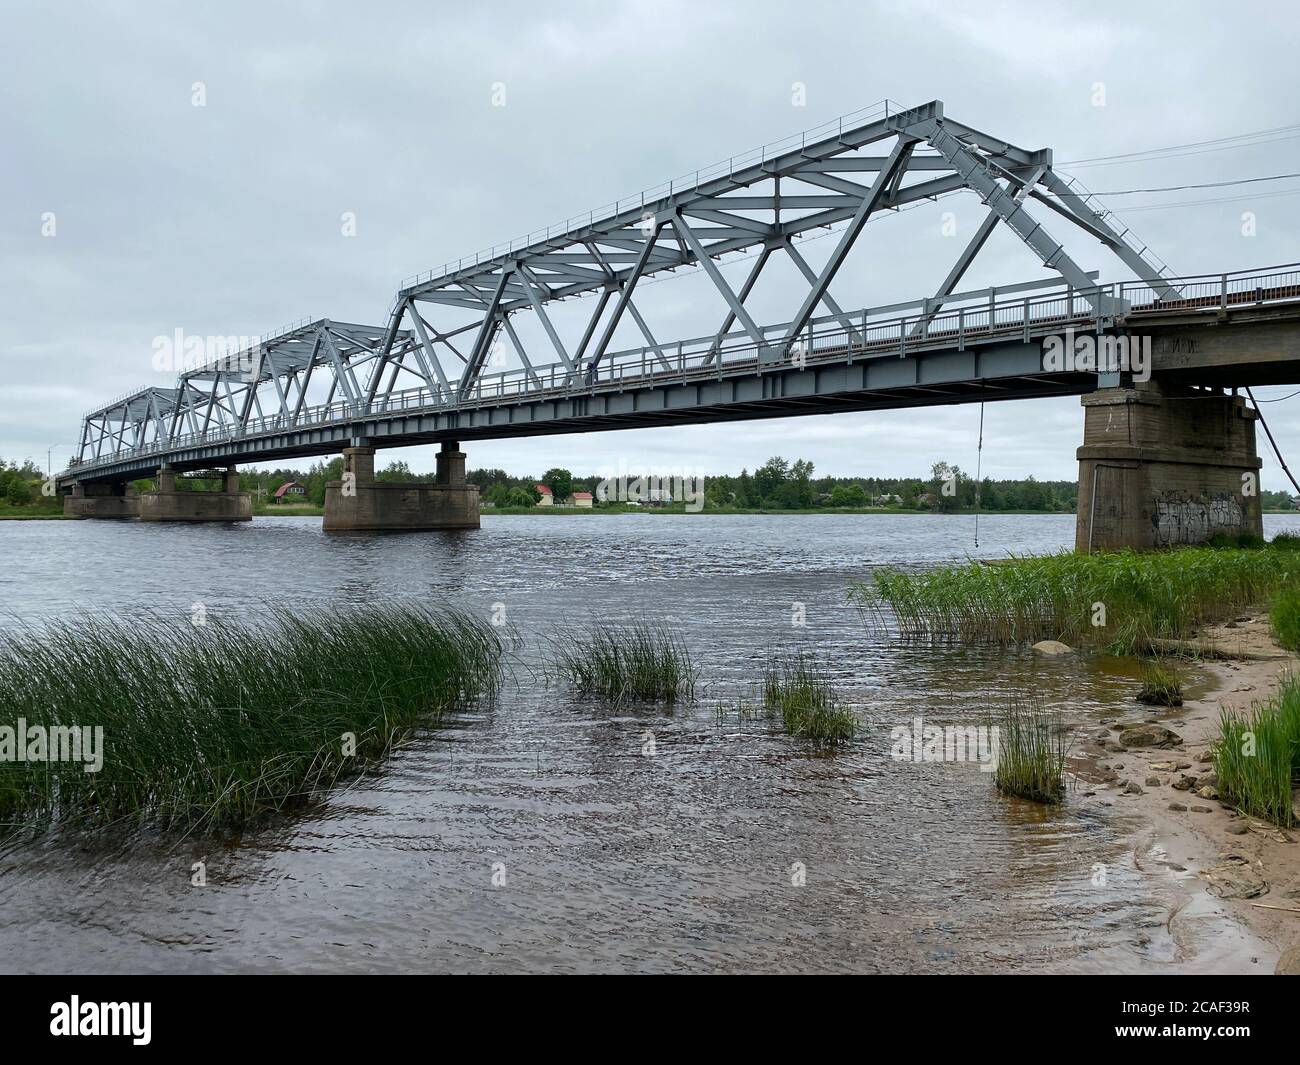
1230, 871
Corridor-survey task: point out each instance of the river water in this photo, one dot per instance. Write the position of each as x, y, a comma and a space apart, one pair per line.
537, 834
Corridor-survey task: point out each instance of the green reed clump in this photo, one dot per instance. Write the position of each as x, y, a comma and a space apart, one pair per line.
218, 724
1119, 601
801, 695
1284, 615
1162, 685
1257, 756
1031, 754
626, 664
1241, 540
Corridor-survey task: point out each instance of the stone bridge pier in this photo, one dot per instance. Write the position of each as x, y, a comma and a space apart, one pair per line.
165, 503
116, 499
1163, 465
359, 503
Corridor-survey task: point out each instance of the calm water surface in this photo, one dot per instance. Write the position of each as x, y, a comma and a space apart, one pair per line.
612, 860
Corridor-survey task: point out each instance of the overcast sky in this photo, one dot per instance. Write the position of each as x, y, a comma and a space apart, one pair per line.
225, 218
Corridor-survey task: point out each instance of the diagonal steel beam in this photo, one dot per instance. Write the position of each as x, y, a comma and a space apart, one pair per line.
302, 388
972, 249
275, 380
523, 355
974, 173
1095, 222
754, 271
531, 283
897, 158
719, 282
802, 264
626, 284
486, 334
650, 340
342, 372
429, 355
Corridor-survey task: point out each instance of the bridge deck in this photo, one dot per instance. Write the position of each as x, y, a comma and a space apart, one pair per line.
988, 350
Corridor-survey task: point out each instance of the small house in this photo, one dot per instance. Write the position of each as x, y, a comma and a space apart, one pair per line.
580, 499
290, 492
548, 497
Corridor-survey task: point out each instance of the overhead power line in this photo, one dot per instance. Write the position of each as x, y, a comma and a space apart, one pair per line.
1212, 199
1240, 140
1206, 185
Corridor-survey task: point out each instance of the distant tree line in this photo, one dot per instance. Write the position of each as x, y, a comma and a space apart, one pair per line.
776, 485
782, 485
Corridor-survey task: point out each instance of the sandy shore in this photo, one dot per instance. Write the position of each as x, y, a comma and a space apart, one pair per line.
1183, 834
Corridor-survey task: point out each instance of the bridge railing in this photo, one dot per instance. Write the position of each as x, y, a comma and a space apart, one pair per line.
981, 317
1210, 291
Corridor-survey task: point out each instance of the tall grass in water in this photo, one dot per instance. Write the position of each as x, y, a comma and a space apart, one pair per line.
1031, 754
796, 691
215, 725
1284, 615
1257, 756
1162, 685
1141, 596
627, 664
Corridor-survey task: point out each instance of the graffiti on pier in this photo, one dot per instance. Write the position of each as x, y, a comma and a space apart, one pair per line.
1183, 518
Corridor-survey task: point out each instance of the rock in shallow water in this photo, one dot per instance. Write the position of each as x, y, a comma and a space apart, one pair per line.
1053, 647
1234, 878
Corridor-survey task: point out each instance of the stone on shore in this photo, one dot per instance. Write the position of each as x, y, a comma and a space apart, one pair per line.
1149, 735
1234, 878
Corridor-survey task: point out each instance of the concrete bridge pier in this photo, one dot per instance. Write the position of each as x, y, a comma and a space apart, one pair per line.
359, 503
116, 499
1166, 465
167, 504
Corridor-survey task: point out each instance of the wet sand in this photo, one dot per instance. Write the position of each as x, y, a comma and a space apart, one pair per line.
1177, 847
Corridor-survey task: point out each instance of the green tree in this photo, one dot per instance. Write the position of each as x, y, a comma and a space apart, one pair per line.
745, 494
769, 478
990, 496
1033, 496
396, 472
801, 482
17, 493
560, 482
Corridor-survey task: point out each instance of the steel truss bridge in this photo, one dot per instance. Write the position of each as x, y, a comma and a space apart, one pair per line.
428, 374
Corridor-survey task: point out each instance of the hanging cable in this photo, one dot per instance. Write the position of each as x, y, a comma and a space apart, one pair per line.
1203, 185
1269, 433
1220, 144
979, 465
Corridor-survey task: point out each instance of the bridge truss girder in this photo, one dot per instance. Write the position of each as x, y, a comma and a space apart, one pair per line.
842, 180
760, 205
260, 386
